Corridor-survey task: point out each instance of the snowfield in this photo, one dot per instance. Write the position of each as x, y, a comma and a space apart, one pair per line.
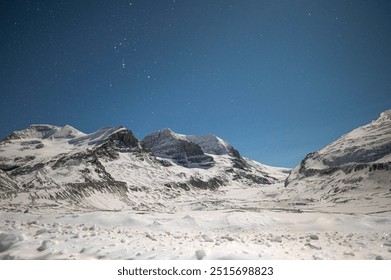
225, 226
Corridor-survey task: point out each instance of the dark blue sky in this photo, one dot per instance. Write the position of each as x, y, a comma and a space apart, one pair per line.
277, 79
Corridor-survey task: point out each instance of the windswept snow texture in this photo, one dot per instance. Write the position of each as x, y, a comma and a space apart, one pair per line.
65, 194
206, 234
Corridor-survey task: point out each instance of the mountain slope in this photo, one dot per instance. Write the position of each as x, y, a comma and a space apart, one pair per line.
354, 170
45, 165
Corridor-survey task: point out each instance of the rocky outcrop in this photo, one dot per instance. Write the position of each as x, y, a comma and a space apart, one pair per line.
6, 183
167, 144
122, 141
211, 184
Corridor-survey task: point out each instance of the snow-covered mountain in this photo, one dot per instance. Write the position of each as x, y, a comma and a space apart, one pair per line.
190, 150
354, 170
55, 166
168, 144
190, 197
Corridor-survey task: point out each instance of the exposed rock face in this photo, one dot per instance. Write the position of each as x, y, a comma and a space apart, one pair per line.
6, 183
124, 138
355, 168
211, 184
168, 144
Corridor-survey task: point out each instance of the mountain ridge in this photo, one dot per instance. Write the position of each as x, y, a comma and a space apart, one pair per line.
111, 168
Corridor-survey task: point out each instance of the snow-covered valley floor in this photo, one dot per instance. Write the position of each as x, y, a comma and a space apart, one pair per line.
237, 228
221, 234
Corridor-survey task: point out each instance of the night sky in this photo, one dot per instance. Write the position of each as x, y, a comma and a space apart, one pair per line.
277, 79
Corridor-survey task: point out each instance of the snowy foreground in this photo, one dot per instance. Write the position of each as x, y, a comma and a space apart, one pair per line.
238, 230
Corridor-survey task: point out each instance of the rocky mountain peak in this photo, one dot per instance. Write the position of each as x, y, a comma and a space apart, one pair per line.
168, 144
167, 132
